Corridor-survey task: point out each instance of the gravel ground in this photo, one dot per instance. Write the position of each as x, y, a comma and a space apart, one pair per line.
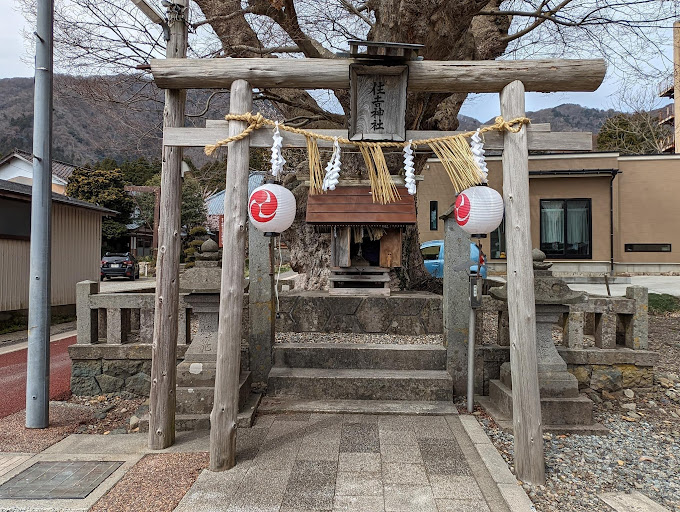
641, 451
111, 414
65, 419
345, 337
157, 482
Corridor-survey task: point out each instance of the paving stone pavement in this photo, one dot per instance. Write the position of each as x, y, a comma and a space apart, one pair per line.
323, 462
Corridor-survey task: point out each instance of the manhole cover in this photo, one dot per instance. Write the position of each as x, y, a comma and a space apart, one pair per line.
58, 480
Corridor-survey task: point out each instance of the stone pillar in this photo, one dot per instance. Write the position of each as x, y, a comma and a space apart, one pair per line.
146, 325
456, 303
572, 331
637, 328
503, 328
86, 318
605, 330
261, 306
116, 321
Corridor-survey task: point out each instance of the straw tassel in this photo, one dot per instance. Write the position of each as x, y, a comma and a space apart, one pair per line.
383, 188
458, 160
315, 171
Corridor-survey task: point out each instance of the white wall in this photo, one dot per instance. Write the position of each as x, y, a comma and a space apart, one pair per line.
21, 171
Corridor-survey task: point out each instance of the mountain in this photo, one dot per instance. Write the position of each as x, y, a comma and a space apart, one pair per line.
121, 117
116, 117
570, 117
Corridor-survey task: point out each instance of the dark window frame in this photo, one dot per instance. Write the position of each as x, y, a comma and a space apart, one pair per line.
21, 228
501, 242
565, 256
436, 215
647, 247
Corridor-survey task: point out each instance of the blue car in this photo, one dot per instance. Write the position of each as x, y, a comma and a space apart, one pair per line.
433, 254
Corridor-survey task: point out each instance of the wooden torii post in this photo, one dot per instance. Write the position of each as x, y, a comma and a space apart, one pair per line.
509, 78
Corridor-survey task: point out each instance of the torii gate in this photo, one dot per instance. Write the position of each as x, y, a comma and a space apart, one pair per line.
509, 78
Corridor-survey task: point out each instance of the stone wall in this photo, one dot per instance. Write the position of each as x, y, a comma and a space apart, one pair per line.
102, 369
400, 313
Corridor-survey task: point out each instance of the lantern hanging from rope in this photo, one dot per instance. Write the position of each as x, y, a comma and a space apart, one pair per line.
271, 208
479, 210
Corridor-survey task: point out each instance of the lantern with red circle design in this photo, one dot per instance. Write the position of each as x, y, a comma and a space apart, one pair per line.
271, 208
479, 210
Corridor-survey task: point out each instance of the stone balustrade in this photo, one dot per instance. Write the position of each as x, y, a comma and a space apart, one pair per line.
115, 332
604, 341
612, 321
121, 318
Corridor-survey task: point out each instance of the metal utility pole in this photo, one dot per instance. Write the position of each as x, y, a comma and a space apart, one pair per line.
38, 368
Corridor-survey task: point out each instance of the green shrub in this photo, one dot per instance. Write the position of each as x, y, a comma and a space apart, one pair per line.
196, 243
189, 264
198, 231
663, 303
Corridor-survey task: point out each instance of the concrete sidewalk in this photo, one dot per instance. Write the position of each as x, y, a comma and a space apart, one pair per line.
655, 284
312, 462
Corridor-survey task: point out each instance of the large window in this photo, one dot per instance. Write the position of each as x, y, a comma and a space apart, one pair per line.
566, 229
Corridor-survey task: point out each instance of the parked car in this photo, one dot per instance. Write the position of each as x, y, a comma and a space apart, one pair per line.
433, 254
119, 265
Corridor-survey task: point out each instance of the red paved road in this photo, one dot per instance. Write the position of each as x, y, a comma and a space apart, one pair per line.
13, 376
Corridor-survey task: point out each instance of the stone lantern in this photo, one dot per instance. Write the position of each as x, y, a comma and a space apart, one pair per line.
563, 409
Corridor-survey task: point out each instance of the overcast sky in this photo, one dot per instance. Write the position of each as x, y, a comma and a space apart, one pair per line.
482, 106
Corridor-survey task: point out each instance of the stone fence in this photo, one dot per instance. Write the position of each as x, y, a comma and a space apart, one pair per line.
113, 349
604, 340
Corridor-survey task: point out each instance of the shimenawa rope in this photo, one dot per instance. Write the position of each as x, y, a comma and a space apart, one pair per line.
452, 150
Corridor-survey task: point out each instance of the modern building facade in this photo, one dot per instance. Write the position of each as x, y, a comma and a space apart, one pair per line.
591, 213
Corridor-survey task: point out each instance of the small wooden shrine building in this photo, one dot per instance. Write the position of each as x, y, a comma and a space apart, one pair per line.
366, 237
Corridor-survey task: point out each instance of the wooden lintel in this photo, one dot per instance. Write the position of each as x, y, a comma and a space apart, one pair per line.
538, 140
546, 75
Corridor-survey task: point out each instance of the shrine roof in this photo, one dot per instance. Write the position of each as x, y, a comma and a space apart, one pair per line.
354, 206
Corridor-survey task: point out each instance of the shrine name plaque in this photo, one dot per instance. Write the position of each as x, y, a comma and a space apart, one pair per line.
378, 102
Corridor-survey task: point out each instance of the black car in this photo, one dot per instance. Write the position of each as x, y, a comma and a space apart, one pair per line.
119, 265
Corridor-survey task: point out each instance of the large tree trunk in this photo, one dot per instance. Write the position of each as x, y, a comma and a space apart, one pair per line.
449, 30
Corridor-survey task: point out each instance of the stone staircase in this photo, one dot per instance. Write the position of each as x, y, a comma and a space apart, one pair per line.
350, 377
195, 394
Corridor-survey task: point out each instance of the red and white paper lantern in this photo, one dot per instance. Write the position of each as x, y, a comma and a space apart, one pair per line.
479, 210
271, 208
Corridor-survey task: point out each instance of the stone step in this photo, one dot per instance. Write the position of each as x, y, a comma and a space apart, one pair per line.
320, 384
504, 421
190, 422
282, 405
554, 411
199, 399
360, 356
